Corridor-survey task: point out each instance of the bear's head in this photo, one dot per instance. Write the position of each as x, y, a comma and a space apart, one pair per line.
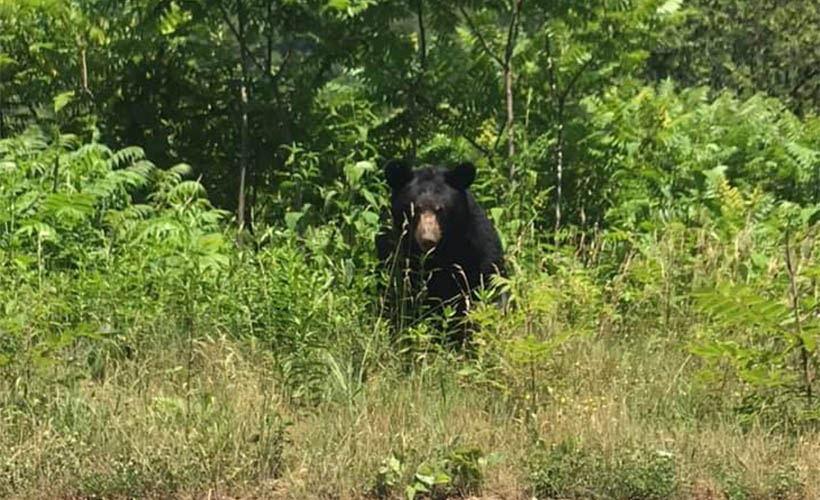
430, 203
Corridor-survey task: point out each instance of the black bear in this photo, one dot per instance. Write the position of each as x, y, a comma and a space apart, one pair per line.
441, 238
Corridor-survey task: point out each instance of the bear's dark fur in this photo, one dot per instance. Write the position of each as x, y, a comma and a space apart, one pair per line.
440, 237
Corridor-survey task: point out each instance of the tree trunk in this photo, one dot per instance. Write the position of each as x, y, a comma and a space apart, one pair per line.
506, 65
559, 170
243, 160
512, 36
559, 140
243, 103
414, 89
510, 117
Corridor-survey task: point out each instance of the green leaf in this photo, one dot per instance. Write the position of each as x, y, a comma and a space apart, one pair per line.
212, 242
62, 99
181, 169
97, 35
354, 172
173, 18
670, 7
394, 464
442, 478
426, 479
371, 218
76, 205
41, 229
709, 350
370, 198
340, 5
6, 60
809, 341
37, 47
292, 219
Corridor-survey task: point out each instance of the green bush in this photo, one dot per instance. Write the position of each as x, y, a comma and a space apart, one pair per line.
451, 473
570, 470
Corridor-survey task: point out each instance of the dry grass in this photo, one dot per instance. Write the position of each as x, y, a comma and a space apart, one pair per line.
161, 429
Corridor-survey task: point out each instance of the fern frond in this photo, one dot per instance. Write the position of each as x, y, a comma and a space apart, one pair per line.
185, 191
93, 150
181, 169
806, 157
126, 156
73, 205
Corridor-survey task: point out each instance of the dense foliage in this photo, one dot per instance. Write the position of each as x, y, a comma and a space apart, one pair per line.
175, 174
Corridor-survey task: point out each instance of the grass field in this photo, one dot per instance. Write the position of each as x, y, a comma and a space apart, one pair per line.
602, 418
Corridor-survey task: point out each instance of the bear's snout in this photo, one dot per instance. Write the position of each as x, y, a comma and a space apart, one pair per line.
428, 231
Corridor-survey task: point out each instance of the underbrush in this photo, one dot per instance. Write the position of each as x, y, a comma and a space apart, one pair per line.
147, 351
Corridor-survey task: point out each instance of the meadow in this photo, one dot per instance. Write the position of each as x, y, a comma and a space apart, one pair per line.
191, 304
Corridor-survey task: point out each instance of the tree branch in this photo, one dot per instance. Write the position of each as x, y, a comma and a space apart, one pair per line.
269, 47
84, 74
512, 35
573, 80
478, 35
414, 88
550, 65
430, 107
795, 296
422, 37
274, 77
512, 32
498, 136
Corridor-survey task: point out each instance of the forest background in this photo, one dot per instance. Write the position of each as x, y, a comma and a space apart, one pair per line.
190, 304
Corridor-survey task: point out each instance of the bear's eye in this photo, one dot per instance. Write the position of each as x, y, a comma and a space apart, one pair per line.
438, 209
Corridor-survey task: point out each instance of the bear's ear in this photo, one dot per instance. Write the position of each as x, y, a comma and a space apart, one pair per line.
398, 174
461, 176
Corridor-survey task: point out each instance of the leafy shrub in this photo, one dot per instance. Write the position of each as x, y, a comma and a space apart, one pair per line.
654, 147
569, 470
780, 483
452, 473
